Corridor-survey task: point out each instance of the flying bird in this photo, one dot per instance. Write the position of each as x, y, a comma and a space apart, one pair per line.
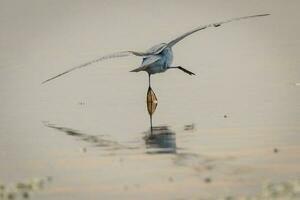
158, 58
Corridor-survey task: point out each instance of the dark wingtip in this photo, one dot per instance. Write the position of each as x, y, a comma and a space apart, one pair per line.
262, 15
46, 81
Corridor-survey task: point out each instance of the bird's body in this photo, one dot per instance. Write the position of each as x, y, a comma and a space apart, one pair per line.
158, 58
156, 63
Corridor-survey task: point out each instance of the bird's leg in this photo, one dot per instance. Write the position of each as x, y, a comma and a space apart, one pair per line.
150, 114
182, 69
149, 75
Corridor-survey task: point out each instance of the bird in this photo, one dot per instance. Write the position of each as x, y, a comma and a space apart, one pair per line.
158, 58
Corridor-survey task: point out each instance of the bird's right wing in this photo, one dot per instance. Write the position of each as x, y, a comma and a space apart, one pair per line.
114, 55
173, 42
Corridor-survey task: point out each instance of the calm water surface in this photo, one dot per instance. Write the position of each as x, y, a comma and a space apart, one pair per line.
93, 143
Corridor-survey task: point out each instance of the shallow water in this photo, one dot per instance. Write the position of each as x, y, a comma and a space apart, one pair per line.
228, 131
98, 145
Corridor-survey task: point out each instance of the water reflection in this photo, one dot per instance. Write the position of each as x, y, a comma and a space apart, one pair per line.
95, 140
160, 139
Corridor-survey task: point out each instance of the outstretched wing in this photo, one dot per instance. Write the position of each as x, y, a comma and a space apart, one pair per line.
173, 42
114, 55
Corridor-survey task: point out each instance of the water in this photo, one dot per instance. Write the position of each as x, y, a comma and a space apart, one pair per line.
95, 143
231, 130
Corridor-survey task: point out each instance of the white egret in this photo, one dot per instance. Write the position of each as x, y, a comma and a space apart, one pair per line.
158, 58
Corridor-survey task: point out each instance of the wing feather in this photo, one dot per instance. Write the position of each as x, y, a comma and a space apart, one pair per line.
173, 42
114, 55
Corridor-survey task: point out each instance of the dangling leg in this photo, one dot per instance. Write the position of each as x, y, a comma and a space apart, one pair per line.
149, 75
150, 112
182, 69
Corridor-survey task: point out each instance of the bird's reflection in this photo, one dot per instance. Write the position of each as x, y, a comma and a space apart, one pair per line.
95, 140
160, 140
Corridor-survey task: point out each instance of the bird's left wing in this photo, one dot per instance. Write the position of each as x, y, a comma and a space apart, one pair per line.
114, 55
173, 42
